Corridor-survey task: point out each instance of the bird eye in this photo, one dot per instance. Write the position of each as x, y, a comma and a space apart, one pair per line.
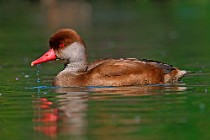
61, 45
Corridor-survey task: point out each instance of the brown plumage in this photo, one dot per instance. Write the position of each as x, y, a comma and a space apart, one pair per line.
66, 44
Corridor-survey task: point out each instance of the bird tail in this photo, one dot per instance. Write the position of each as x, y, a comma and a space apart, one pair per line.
182, 73
174, 76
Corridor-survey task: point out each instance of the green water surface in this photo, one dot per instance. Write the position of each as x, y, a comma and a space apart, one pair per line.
175, 32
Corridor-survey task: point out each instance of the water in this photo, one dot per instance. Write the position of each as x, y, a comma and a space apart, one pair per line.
174, 32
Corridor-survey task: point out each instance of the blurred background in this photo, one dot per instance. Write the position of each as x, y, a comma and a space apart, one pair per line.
173, 31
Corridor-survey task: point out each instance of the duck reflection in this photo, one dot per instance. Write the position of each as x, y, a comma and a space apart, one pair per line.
66, 112
46, 116
72, 107
143, 90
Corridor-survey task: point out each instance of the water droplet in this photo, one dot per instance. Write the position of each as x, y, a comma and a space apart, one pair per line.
38, 80
38, 90
206, 90
26, 76
37, 74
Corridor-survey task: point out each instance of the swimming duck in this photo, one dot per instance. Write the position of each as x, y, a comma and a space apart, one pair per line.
67, 45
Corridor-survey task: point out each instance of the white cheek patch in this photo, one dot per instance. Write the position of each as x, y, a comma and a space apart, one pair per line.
75, 55
73, 52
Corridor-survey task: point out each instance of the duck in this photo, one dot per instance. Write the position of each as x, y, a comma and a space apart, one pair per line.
67, 45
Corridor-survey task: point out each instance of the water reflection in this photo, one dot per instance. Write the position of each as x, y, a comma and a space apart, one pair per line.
46, 117
138, 90
132, 112
72, 107
66, 112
